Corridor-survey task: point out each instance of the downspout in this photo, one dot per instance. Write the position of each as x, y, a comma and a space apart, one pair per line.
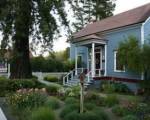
142, 43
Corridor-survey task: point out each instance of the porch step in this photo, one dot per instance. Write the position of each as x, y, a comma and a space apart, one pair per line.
75, 82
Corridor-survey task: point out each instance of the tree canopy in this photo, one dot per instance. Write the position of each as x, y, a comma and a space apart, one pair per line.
24, 19
86, 11
134, 56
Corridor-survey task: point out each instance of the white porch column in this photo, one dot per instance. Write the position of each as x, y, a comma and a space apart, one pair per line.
87, 59
76, 61
105, 60
93, 60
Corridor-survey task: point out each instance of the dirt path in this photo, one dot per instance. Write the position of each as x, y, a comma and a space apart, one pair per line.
110, 114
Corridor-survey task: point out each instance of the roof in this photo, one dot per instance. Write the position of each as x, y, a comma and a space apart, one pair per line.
134, 16
89, 37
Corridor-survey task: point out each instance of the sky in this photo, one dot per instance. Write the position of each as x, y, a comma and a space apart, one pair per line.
121, 6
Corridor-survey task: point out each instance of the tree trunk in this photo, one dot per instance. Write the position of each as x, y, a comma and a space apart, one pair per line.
21, 67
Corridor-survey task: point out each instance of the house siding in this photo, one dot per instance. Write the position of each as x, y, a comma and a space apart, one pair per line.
114, 39
146, 31
82, 51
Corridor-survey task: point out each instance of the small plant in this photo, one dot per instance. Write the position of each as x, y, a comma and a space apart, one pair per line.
118, 110
43, 113
52, 89
22, 101
111, 100
130, 117
53, 102
73, 91
50, 78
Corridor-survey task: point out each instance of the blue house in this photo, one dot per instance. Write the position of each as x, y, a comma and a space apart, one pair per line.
96, 45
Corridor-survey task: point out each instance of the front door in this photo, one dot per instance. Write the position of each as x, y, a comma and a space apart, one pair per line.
98, 62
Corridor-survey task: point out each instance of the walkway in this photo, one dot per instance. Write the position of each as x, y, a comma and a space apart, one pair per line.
41, 79
2, 116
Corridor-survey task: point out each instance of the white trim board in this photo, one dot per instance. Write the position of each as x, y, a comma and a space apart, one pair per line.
115, 61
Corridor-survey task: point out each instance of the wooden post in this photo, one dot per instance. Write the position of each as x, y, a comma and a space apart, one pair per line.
82, 77
81, 98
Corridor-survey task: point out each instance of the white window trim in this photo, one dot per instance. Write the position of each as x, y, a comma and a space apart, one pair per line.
115, 66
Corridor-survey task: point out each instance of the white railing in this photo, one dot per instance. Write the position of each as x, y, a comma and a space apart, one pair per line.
98, 72
74, 74
89, 75
71, 74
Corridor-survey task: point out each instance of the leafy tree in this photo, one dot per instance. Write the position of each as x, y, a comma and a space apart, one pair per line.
134, 56
102, 8
62, 55
24, 19
86, 11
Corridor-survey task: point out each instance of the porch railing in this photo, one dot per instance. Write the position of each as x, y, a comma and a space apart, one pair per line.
72, 74
98, 72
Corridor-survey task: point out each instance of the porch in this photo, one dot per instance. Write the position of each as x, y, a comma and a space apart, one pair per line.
95, 63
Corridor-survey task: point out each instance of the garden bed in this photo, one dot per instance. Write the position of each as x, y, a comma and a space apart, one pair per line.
63, 104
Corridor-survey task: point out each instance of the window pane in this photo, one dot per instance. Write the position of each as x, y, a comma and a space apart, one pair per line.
119, 66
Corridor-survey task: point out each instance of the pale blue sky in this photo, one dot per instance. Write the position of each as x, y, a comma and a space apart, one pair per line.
121, 6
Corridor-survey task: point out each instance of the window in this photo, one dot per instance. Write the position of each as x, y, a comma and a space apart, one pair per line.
79, 61
118, 67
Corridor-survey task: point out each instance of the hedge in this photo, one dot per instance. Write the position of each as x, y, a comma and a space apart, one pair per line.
8, 85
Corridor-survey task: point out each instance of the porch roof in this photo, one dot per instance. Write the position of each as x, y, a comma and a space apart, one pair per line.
89, 37
134, 16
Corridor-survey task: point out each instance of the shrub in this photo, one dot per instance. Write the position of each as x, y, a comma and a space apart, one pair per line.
73, 91
68, 109
111, 100
142, 110
86, 116
120, 87
71, 100
52, 89
118, 110
145, 85
43, 113
72, 116
111, 87
9, 86
3, 78
102, 115
89, 106
108, 88
18, 84
53, 102
129, 117
21, 101
50, 78
94, 98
